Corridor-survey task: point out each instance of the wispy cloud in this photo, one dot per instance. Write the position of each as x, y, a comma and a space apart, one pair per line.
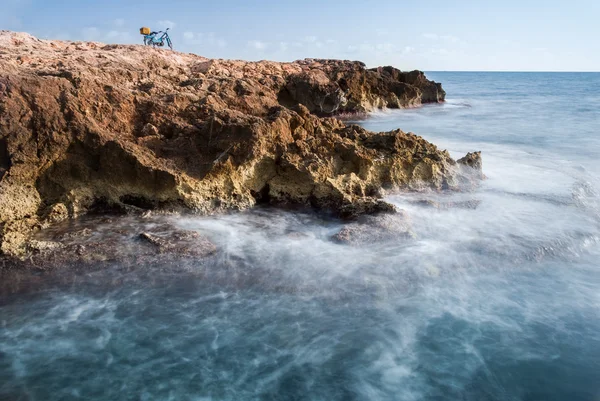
115, 36
203, 39
257, 45
450, 38
119, 22
165, 23
92, 33
385, 48
443, 38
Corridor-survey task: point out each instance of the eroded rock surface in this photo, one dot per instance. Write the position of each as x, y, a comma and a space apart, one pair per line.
369, 229
84, 125
129, 241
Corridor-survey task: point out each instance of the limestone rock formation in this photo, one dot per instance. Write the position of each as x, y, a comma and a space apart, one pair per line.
85, 125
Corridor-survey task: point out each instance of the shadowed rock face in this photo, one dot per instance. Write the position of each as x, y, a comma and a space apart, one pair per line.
84, 125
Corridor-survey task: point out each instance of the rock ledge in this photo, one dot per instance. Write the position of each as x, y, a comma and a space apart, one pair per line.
85, 125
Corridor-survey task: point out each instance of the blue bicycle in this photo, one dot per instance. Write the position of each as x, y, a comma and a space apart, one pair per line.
156, 39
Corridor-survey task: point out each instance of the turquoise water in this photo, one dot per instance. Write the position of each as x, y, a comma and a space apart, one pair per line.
500, 302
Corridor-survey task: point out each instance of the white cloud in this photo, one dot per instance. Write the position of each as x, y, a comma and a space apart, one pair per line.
443, 38
283, 46
91, 33
119, 22
450, 38
441, 51
203, 39
257, 45
431, 36
113, 36
310, 39
118, 37
385, 47
63, 36
378, 51
164, 24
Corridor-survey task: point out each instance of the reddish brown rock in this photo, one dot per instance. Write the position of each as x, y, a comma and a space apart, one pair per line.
87, 124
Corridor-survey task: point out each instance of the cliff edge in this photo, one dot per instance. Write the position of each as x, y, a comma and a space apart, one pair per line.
85, 125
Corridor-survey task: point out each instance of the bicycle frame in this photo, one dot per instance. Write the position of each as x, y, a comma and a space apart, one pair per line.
155, 40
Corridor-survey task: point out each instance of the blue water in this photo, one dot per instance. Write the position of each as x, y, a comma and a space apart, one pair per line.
500, 302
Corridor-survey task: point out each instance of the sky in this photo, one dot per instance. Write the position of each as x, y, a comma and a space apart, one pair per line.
433, 35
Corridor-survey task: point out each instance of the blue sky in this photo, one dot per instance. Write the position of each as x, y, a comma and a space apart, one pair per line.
525, 35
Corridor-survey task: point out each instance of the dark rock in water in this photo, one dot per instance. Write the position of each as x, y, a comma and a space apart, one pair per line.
85, 232
114, 240
296, 235
469, 204
181, 242
366, 206
473, 160
372, 229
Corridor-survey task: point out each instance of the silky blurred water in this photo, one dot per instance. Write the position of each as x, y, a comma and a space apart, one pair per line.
500, 302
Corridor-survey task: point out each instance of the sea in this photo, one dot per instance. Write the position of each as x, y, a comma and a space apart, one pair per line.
496, 301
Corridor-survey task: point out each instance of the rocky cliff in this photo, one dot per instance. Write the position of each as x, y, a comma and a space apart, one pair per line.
85, 125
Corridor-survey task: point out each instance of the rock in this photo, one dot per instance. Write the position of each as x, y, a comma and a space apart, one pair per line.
138, 129
469, 204
374, 229
56, 213
181, 242
15, 234
296, 235
474, 163
334, 87
150, 130
117, 240
41, 246
366, 206
83, 233
472, 159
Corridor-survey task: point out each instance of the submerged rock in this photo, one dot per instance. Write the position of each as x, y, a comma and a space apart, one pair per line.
468, 204
119, 240
181, 243
44, 246
373, 229
138, 129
